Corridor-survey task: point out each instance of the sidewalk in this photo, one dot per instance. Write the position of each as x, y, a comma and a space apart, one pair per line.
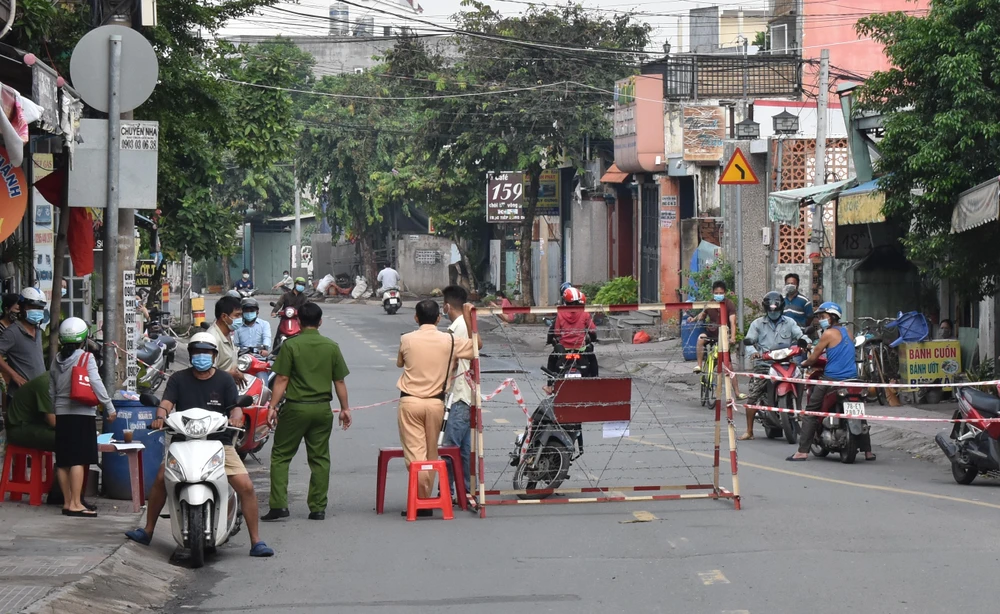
53, 564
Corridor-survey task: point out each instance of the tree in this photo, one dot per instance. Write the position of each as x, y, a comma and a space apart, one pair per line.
941, 101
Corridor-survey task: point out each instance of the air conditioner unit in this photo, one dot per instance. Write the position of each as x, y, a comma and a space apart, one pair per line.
765, 236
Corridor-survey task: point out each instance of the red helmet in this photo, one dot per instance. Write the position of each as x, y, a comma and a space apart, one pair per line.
572, 295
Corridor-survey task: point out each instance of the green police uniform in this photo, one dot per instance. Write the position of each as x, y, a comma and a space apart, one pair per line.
26, 425
311, 362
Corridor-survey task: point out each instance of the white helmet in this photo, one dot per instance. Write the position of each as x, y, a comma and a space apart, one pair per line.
203, 341
73, 330
32, 297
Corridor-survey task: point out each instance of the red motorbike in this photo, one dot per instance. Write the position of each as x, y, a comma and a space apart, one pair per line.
256, 430
976, 449
288, 327
781, 364
836, 434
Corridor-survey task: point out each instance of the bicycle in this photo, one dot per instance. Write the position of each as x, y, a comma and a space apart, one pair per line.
876, 359
708, 381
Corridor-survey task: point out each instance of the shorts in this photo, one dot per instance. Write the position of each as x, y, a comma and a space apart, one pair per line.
75, 441
234, 466
711, 334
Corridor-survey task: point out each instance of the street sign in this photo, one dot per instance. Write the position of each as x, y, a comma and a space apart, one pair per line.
738, 171
88, 66
138, 143
504, 197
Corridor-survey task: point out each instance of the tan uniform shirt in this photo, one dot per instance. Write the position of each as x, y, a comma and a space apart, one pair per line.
460, 388
423, 355
227, 350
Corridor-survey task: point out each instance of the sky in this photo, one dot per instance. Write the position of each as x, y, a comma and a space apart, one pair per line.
663, 16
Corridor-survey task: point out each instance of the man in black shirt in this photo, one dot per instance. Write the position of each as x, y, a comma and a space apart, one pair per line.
206, 387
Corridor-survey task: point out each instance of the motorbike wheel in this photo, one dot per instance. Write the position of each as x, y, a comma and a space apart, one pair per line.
772, 432
850, 453
819, 451
196, 535
963, 474
553, 468
789, 422
880, 394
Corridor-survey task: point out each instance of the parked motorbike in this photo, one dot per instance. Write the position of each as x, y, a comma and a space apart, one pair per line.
204, 508
781, 363
153, 364
246, 292
256, 430
976, 449
836, 434
289, 326
154, 330
391, 301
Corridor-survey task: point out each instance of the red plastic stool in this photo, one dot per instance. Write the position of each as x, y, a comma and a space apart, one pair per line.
413, 500
387, 454
16, 485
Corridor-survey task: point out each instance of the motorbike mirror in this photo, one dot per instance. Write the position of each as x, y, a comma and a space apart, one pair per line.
149, 400
748, 342
244, 400
271, 303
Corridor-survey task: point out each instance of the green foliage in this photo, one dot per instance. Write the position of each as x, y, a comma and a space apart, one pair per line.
983, 372
941, 100
591, 290
700, 282
618, 291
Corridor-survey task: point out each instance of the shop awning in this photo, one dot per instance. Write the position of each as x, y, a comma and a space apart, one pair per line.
614, 175
861, 205
783, 206
976, 206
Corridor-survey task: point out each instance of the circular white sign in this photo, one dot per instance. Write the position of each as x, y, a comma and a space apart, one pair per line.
88, 67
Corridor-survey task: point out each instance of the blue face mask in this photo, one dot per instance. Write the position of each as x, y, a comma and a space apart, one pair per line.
300, 288
774, 315
202, 362
34, 316
824, 324
718, 298
250, 316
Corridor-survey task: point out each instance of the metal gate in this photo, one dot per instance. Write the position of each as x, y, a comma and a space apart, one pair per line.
649, 246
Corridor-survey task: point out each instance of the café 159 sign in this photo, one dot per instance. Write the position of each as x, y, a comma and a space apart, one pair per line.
504, 196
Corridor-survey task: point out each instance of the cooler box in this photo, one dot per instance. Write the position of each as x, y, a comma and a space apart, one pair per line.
136, 416
689, 337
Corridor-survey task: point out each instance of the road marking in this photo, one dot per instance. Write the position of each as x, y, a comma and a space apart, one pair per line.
715, 576
501, 421
799, 474
736, 612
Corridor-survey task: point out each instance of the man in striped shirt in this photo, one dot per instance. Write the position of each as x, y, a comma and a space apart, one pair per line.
797, 307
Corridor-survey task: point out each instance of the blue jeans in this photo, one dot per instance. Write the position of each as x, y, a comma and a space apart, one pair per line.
457, 433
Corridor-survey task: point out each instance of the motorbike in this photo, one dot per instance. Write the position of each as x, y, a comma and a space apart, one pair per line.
780, 363
288, 327
154, 330
976, 447
391, 301
204, 508
837, 434
246, 292
256, 431
152, 355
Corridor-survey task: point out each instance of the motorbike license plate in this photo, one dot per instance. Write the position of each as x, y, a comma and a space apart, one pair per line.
854, 409
393, 301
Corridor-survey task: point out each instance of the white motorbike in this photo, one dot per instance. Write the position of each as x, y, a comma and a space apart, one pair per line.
391, 300
204, 509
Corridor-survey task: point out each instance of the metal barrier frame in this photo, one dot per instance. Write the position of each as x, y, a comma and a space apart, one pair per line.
478, 496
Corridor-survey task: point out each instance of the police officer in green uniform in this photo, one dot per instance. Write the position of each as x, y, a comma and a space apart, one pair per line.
304, 369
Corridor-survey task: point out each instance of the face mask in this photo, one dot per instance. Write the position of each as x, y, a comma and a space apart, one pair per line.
236, 324
250, 316
824, 324
202, 362
718, 298
246, 276
300, 288
34, 316
790, 289
774, 316
62, 292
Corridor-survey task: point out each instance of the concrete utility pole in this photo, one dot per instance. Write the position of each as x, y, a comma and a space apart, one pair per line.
822, 102
114, 372
297, 237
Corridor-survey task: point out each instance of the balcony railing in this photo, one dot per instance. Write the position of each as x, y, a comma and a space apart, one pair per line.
692, 76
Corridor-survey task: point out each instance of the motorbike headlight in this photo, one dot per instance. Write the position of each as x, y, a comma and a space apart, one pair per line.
243, 362
174, 468
290, 312
217, 461
196, 428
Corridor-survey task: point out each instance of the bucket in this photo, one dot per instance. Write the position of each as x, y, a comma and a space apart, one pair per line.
137, 417
689, 338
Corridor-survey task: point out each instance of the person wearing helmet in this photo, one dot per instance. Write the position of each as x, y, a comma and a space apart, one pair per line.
771, 331
207, 387
296, 298
76, 446
21, 343
840, 366
255, 333
572, 330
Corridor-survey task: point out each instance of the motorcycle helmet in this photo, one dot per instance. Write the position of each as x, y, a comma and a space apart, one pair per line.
73, 330
774, 305
572, 296
565, 286
32, 298
831, 308
233, 293
249, 304
300, 280
203, 341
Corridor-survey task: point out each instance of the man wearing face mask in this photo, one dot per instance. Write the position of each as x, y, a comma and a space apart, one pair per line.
21, 343
771, 331
227, 313
205, 387
296, 298
797, 307
840, 366
244, 282
254, 333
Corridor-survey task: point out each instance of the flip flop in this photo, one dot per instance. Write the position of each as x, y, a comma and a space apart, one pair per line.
261, 550
872, 458
84, 513
697, 369
139, 536
796, 460
746, 437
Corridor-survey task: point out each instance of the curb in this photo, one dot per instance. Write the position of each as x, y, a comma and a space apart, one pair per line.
131, 579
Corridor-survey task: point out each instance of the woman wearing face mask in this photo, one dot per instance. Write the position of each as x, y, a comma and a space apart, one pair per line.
840, 366
21, 342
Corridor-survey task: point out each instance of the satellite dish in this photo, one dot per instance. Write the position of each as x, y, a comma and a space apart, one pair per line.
88, 67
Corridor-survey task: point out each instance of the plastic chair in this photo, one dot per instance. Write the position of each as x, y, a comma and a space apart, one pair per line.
912, 326
15, 483
441, 502
387, 454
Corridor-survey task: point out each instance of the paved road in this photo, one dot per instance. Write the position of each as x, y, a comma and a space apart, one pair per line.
897, 535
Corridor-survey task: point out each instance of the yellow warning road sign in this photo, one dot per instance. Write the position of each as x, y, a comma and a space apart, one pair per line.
738, 171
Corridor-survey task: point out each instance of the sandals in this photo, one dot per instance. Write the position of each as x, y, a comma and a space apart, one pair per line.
697, 369
139, 536
84, 513
796, 460
872, 458
746, 437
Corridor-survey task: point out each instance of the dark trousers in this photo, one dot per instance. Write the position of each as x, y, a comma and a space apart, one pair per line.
812, 424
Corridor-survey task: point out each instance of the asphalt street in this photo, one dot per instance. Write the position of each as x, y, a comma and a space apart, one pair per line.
896, 535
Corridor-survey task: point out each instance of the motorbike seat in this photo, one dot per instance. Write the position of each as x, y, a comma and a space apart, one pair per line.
149, 352
986, 404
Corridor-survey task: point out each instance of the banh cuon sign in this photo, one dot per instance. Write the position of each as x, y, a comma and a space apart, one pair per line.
930, 361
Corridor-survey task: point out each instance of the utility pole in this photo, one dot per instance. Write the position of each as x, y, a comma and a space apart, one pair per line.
297, 238
111, 270
821, 120
739, 195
